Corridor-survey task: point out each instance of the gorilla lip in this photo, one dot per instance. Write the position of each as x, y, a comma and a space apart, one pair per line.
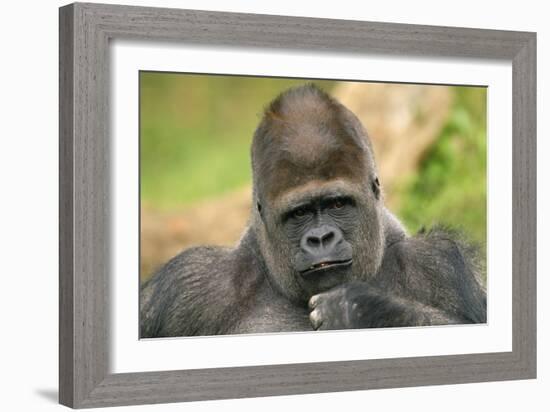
325, 265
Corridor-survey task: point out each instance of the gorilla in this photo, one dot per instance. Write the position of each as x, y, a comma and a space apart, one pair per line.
320, 251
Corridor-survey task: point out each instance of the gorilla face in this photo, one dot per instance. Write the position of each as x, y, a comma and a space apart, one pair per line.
321, 235
319, 230
318, 199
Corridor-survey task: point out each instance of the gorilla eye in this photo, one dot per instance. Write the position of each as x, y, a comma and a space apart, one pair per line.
337, 204
299, 212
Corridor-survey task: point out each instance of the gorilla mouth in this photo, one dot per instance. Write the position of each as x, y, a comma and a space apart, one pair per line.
321, 266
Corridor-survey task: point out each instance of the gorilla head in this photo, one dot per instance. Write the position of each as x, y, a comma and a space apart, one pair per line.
319, 214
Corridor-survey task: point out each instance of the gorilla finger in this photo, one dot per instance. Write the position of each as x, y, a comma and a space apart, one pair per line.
315, 319
314, 301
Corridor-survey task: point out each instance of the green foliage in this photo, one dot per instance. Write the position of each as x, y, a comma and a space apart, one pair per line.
450, 185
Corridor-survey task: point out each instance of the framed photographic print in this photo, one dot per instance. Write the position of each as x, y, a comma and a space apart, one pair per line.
257, 205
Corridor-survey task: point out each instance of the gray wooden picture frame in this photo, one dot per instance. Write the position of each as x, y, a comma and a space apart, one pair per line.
85, 32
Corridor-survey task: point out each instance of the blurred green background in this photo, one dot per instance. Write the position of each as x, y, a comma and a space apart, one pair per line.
195, 136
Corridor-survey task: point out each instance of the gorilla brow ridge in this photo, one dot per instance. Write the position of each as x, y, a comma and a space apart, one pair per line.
337, 187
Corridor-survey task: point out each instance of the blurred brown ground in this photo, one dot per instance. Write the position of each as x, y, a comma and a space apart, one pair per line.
403, 121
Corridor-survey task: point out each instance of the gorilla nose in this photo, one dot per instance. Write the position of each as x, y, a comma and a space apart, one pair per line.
321, 240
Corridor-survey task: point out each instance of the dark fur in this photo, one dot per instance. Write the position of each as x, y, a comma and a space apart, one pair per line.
308, 144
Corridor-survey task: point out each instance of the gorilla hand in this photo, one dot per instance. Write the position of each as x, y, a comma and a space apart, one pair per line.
343, 307
362, 305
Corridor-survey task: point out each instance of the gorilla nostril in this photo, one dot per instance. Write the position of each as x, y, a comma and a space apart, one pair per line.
327, 238
313, 241
321, 240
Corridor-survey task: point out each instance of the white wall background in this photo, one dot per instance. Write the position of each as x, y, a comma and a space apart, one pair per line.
28, 205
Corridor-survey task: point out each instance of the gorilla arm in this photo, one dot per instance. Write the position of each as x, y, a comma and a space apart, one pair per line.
202, 291
423, 280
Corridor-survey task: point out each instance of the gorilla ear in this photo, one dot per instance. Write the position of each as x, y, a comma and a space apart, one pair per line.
375, 186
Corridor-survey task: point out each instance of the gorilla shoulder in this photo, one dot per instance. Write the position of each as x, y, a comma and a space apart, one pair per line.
438, 268
199, 291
